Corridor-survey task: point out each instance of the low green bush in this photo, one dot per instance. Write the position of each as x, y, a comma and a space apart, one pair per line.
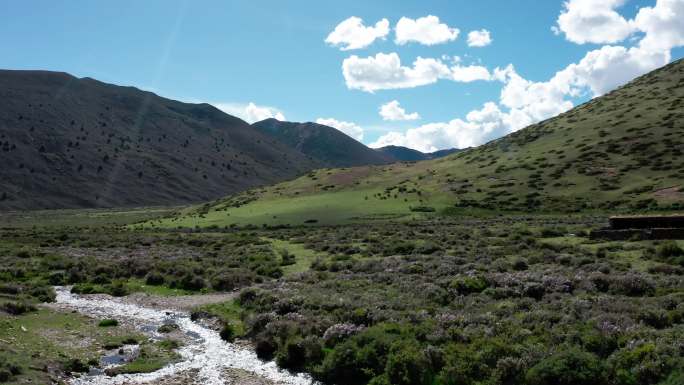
108, 323
17, 308
568, 367
227, 332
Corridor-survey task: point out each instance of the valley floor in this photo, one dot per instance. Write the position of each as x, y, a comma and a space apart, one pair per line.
488, 300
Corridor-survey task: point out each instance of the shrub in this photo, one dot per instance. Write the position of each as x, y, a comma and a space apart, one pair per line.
227, 333
287, 258
169, 344
75, 365
154, 278
8, 370
568, 367
469, 285
408, 365
669, 249
645, 363
117, 289
167, 328
292, 355
23, 254
633, 285
83, 288
191, 282
265, 347
17, 308
520, 264
108, 323
232, 279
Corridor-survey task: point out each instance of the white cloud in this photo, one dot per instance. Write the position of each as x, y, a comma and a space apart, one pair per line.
393, 111
467, 74
478, 126
593, 21
523, 102
250, 112
425, 30
605, 69
384, 72
350, 129
481, 38
663, 25
353, 34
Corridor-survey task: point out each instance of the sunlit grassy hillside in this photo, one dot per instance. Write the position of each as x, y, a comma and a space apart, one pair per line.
620, 152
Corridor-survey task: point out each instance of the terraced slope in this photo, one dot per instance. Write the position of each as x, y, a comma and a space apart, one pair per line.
619, 152
73, 143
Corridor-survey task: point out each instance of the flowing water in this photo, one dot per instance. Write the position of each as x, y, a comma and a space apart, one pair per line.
206, 354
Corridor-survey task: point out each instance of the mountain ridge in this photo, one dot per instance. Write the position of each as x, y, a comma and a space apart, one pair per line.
326, 144
68, 142
406, 154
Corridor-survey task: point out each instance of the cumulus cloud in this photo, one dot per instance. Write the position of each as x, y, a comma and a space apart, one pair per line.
426, 30
523, 102
459, 133
605, 69
385, 71
349, 128
250, 112
392, 111
481, 38
593, 21
662, 24
353, 34
467, 74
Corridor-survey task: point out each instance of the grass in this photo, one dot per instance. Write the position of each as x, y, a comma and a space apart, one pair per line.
153, 356
332, 208
47, 338
229, 313
303, 257
596, 157
138, 286
82, 217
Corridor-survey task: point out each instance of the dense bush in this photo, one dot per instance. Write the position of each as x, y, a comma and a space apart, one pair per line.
74, 365
407, 364
232, 279
155, 278
17, 308
8, 370
568, 367
108, 323
227, 332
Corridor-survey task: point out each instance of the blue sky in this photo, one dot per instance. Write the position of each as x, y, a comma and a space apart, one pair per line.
274, 53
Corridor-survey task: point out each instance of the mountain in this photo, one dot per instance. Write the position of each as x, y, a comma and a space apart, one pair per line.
322, 143
621, 152
67, 142
404, 154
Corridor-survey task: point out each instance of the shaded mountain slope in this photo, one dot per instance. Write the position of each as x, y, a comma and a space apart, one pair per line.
619, 152
405, 154
67, 142
322, 143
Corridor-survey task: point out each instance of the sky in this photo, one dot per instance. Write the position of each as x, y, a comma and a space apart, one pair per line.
423, 74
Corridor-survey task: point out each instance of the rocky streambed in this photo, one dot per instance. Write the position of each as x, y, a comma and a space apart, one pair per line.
205, 357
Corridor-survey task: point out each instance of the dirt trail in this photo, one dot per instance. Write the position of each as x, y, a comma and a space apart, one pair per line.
179, 303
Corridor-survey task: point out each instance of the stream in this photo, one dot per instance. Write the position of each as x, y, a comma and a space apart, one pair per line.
206, 355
